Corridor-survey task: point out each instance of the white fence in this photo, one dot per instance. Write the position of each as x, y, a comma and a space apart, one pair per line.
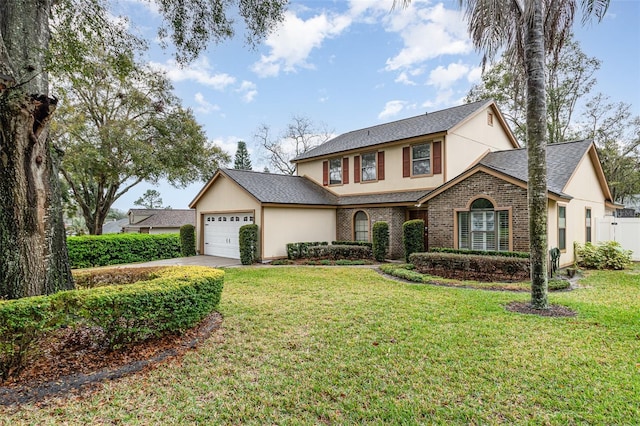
625, 230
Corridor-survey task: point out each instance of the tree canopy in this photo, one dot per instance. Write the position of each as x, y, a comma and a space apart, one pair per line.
33, 254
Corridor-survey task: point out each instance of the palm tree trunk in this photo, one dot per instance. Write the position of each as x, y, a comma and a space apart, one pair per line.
537, 149
33, 251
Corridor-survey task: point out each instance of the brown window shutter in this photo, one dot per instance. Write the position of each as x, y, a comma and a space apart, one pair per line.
356, 169
437, 158
325, 173
406, 161
381, 165
345, 170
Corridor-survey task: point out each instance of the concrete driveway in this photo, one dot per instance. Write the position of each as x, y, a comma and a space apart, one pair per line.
213, 261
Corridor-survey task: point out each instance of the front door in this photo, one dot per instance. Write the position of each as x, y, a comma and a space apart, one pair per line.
422, 215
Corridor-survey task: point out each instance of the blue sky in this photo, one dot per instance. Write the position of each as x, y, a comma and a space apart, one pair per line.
353, 64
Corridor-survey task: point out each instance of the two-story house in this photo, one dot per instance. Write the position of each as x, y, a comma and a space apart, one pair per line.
460, 170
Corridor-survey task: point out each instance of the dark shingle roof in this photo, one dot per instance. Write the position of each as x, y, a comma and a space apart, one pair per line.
562, 160
391, 197
281, 189
425, 124
164, 218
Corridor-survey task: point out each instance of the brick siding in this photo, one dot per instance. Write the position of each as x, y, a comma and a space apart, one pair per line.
505, 194
394, 216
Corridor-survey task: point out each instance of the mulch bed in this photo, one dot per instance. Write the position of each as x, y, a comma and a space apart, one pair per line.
70, 363
552, 311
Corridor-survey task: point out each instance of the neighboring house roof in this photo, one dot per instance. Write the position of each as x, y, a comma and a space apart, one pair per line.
421, 125
114, 226
562, 162
163, 218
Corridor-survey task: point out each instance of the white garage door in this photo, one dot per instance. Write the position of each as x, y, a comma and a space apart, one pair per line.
221, 233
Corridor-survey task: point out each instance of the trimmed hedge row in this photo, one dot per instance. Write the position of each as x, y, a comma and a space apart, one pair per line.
472, 267
171, 300
335, 252
520, 254
301, 250
112, 249
352, 243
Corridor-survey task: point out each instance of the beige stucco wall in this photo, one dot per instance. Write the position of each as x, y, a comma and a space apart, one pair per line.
471, 140
224, 195
282, 225
392, 182
586, 191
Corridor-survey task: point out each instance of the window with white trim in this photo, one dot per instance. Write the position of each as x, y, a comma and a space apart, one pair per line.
562, 227
335, 171
483, 227
421, 159
368, 166
587, 224
361, 226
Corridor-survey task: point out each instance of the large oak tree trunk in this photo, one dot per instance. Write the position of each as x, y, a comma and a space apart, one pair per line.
33, 251
537, 153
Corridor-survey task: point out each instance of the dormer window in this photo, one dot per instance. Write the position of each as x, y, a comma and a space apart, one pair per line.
335, 171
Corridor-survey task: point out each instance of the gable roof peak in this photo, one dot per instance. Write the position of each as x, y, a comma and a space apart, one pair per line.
425, 124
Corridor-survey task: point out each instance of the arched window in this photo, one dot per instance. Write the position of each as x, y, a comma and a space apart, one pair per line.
483, 227
361, 226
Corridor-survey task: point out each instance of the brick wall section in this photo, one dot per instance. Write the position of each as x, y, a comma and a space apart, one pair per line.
505, 194
394, 216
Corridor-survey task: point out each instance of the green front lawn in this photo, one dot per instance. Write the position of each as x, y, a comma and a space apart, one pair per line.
349, 346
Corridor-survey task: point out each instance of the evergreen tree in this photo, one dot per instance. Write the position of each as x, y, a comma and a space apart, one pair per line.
242, 161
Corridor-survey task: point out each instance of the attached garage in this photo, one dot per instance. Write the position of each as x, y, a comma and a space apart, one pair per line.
221, 233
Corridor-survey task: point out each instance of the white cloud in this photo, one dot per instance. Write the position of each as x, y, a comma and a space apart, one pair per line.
427, 32
475, 75
443, 99
443, 78
200, 72
291, 45
204, 106
392, 108
248, 90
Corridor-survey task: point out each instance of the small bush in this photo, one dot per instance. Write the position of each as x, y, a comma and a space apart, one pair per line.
301, 250
248, 244
472, 267
112, 249
380, 240
558, 284
520, 254
188, 240
413, 237
607, 255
